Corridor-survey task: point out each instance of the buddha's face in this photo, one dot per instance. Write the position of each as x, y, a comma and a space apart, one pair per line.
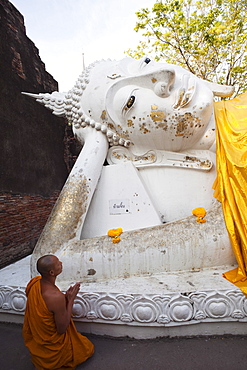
155, 105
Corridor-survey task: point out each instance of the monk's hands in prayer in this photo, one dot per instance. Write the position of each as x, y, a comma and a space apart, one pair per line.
72, 292
61, 305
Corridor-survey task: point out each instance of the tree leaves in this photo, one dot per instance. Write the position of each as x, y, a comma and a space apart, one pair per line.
207, 37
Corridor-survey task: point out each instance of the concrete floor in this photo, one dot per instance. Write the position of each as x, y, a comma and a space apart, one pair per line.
197, 353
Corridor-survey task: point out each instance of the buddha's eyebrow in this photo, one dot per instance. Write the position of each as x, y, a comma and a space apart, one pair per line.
114, 76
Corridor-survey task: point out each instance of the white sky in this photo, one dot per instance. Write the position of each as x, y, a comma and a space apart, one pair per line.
63, 30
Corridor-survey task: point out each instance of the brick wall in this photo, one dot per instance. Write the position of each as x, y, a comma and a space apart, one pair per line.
38, 149
22, 218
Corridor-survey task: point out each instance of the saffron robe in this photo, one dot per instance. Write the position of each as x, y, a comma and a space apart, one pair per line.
49, 349
231, 183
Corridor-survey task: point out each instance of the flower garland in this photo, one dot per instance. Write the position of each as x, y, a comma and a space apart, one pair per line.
200, 213
114, 233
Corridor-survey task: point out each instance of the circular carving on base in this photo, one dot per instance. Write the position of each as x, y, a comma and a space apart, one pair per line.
17, 300
1, 299
108, 308
144, 310
244, 305
218, 306
181, 310
80, 308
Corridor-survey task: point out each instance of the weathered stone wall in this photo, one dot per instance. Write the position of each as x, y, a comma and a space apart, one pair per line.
35, 145
22, 218
32, 155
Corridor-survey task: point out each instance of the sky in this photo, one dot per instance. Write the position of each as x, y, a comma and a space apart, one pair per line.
65, 30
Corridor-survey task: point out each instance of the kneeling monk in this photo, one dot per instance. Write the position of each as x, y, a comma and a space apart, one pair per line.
48, 330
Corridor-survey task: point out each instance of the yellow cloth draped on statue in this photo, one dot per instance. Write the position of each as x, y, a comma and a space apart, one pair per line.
231, 183
48, 348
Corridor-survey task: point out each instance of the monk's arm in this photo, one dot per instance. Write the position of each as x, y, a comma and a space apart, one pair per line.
62, 308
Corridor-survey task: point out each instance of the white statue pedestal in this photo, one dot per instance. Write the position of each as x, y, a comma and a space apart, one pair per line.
185, 303
159, 290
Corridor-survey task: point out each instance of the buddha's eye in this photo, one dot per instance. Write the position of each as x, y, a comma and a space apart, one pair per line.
147, 60
131, 101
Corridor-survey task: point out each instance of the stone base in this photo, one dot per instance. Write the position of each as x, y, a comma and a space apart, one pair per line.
188, 303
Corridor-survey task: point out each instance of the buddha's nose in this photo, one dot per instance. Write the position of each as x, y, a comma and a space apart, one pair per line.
163, 86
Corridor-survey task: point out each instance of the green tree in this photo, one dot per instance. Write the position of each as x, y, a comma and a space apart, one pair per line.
207, 37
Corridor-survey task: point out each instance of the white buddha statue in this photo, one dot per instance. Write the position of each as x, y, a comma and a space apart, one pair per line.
154, 125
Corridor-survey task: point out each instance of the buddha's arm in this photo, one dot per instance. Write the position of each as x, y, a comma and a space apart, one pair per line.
69, 213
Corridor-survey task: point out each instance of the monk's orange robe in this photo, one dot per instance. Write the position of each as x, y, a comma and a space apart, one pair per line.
49, 349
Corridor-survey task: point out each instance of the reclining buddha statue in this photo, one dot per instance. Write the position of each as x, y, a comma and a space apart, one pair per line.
148, 159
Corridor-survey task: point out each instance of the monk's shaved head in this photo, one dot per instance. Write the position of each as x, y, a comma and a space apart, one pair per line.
46, 264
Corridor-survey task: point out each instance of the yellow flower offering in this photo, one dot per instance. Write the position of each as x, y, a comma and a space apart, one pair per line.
114, 233
201, 220
200, 213
116, 240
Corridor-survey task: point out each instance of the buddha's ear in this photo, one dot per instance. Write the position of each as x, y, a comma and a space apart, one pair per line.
223, 91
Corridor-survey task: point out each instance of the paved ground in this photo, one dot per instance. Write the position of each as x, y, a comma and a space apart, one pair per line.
200, 353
